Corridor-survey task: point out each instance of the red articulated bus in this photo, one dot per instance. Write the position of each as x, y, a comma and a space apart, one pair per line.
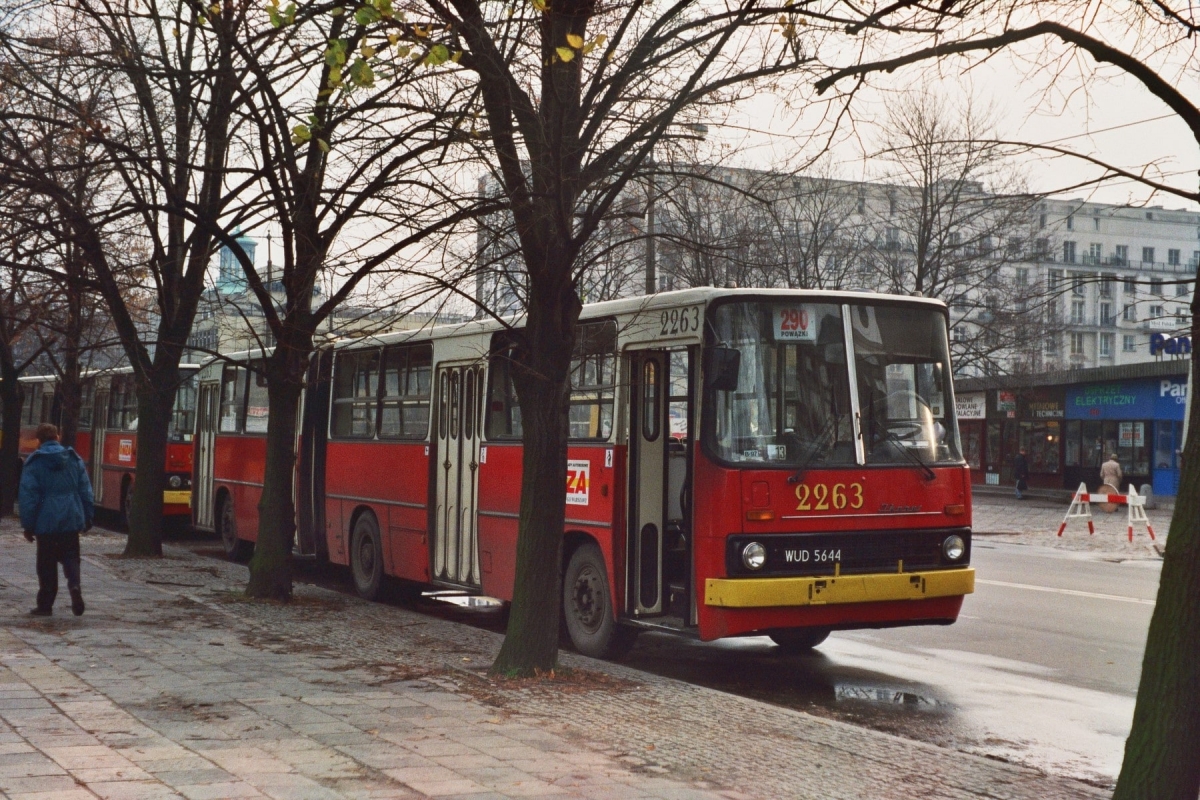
107, 436
741, 462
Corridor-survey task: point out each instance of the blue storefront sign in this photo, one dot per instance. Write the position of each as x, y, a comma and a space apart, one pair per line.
1158, 399
1155, 410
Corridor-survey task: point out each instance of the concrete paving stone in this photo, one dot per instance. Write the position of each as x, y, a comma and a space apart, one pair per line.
448, 788
107, 774
37, 783
77, 793
218, 791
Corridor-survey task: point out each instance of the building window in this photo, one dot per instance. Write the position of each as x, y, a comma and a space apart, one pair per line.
1043, 249
1095, 249
1077, 344
1106, 343
892, 238
1181, 289
891, 204
1077, 283
1078, 312
1106, 284
1070, 222
1129, 343
1068, 252
1095, 223
1130, 284
1147, 255
1121, 255
1156, 312
1042, 220
1022, 276
1156, 287
1130, 313
1052, 344
1173, 257
1054, 279
1106, 314
1195, 257
862, 204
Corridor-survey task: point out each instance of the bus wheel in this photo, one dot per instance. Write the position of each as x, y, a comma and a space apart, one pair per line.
799, 640
588, 608
236, 549
126, 504
366, 557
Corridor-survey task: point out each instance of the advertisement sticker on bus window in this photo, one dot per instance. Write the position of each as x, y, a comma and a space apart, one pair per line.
125, 450
579, 481
794, 323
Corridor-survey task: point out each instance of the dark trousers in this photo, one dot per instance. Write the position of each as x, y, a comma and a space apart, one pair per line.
54, 549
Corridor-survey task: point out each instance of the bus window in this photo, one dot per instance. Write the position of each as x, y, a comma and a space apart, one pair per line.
87, 402
122, 404
791, 406
503, 413
593, 381
183, 415
31, 406
355, 394
902, 363
405, 410
233, 393
257, 404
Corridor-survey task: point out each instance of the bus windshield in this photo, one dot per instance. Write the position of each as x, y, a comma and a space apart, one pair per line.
792, 402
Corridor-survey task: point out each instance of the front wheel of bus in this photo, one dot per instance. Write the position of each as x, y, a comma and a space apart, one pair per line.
588, 608
366, 557
799, 640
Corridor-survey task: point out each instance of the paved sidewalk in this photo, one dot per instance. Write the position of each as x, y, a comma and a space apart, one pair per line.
173, 686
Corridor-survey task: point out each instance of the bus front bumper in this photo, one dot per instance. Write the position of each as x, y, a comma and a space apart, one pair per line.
181, 497
843, 589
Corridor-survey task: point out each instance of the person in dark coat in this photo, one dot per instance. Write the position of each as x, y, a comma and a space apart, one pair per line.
56, 504
1021, 473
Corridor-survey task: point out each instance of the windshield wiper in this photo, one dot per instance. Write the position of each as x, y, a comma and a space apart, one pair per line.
817, 450
913, 457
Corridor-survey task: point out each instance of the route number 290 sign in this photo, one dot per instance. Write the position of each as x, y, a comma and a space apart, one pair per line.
795, 324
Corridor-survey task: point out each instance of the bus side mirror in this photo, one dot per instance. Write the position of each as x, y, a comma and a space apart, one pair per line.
721, 371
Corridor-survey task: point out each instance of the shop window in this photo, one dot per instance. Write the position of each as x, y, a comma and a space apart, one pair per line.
1164, 445
406, 386
1071, 444
1041, 442
355, 394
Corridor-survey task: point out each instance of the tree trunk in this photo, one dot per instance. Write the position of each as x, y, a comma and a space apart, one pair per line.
155, 403
10, 437
542, 380
70, 395
1161, 761
271, 567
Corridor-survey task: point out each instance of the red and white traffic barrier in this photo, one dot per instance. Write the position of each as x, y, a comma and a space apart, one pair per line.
1081, 509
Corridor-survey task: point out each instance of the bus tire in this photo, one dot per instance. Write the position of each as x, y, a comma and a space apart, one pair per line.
588, 607
799, 640
366, 557
237, 550
126, 502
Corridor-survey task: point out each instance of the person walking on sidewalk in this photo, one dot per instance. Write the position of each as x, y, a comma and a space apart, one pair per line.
56, 504
1021, 473
1110, 472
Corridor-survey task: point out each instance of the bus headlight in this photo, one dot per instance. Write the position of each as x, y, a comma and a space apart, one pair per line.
754, 555
175, 481
954, 547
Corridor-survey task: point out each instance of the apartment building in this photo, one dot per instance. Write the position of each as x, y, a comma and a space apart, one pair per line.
1119, 278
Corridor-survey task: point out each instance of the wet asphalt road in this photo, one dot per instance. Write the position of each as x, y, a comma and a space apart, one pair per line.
1041, 668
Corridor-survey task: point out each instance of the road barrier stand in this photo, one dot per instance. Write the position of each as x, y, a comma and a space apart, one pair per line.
1081, 509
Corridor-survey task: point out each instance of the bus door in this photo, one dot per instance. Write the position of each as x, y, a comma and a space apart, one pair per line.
96, 457
460, 392
660, 415
207, 412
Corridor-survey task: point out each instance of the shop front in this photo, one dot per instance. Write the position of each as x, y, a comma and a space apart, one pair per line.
995, 425
1141, 421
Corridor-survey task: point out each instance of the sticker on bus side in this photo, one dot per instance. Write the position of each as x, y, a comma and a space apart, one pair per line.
125, 450
579, 481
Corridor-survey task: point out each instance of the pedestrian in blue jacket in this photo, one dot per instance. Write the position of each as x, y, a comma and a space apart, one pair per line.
56, 504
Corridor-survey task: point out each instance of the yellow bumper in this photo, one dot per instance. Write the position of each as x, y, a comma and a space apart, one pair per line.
771, 592
180, 497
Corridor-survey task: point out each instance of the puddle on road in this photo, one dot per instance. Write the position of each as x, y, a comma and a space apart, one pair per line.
889, 697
